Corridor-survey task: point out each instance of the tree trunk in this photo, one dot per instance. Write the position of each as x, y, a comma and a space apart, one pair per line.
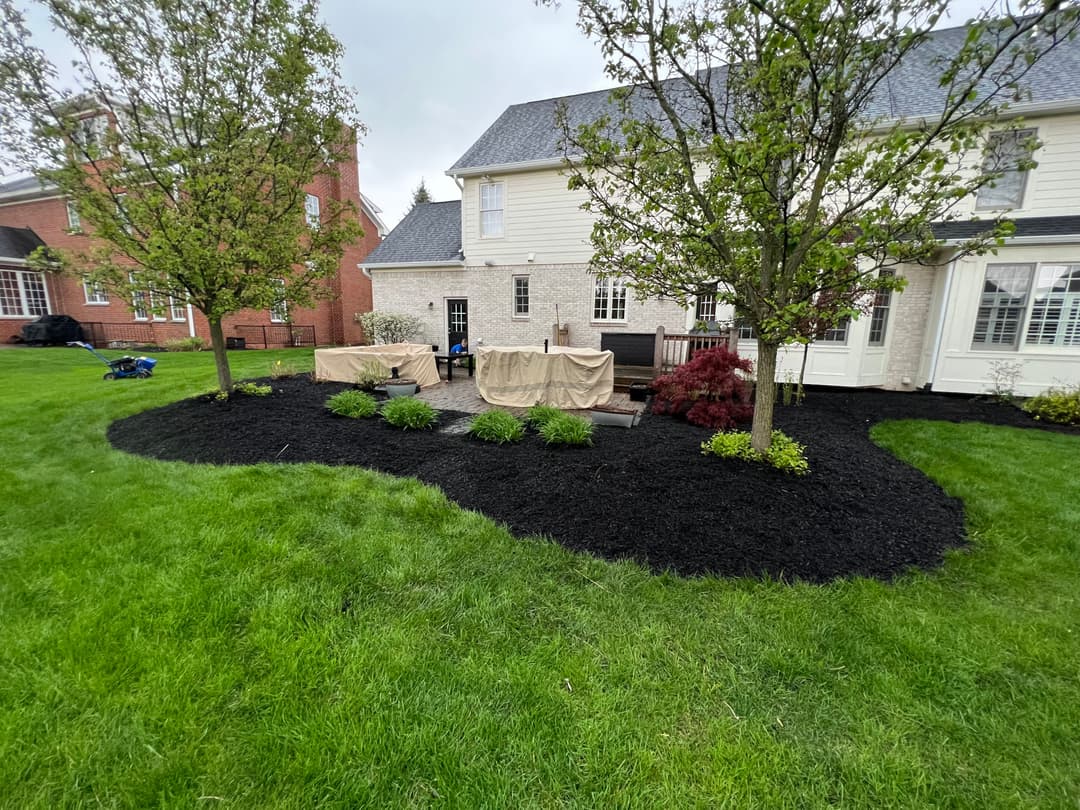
764, 397
221, 359
802, 374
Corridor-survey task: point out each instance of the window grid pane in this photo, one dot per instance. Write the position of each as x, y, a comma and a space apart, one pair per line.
1007, 149
10, 297
521, 296
706, 308
491, 209
491, 223
879, 319
311, 210
600, 300
1055, 314
34, 288
836, 334
1002, 306
177, 309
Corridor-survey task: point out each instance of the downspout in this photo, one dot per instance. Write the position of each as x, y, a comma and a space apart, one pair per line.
190, 320
941, 324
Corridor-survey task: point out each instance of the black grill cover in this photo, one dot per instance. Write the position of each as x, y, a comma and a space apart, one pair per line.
52, 329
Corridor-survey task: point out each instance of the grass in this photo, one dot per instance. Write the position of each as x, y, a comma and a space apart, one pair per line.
298, 636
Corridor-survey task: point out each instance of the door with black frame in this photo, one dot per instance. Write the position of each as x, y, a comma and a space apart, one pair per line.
457, 321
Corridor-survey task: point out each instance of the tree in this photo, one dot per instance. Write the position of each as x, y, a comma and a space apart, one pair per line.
749, 150
420, 195
186, 144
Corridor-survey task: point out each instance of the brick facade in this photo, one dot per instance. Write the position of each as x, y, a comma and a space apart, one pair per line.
909, 328
332, 318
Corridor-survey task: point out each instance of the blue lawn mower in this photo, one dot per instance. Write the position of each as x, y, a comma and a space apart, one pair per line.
122, 367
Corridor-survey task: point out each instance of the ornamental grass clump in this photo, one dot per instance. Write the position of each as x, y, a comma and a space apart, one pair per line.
354, 404
371, 373
409, 414
784, 453
252, 389
539, 415
280, 370
1060, 405
565, 428
500, 427
707, 391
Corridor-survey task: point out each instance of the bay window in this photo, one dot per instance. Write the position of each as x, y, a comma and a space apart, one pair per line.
22, 294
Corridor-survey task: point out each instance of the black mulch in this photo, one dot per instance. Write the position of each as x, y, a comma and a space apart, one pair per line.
645, 493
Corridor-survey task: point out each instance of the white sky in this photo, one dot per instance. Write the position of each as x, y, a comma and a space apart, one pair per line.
432, 75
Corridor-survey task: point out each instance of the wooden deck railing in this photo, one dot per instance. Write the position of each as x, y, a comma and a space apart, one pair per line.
675, 350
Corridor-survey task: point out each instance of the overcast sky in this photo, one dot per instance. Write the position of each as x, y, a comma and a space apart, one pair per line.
432, 75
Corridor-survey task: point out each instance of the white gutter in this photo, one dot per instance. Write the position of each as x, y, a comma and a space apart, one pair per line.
191, 320
941, 324
394, 265
518, 166
1070, 239
6, 260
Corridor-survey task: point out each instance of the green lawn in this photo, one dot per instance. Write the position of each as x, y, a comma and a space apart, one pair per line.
300, 636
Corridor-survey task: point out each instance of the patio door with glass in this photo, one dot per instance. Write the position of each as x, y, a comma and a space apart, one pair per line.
457, 321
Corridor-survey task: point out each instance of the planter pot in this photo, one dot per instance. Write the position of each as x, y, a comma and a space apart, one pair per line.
401, 388
617, 417
639, 392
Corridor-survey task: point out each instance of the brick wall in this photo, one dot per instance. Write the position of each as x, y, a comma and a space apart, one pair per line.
489, 291
909, 328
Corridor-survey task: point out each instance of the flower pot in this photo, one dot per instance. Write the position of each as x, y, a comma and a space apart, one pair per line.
617, 417
400, 387
639, 391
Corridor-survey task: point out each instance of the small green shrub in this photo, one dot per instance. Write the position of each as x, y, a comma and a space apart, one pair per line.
565, 428
280, 370
539, 415
409, 414
785, 453
1060, 405
371, 373
188, 344
354, 404
497, 426
251, 389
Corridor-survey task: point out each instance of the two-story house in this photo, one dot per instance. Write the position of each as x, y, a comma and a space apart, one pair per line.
34, 215
500, 263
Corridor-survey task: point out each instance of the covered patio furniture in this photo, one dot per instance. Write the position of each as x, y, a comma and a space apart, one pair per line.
414, 361
522, 376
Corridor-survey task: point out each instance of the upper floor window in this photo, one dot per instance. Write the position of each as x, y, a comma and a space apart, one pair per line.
1002, 306
22, 293
311, 210
279, 312
1055, 312
609, 300
95, 292
492, 196
521, 296
1006, 152
705, 310
89, 134
879, 318
74, 222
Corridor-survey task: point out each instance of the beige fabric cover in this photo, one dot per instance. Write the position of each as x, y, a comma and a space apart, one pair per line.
522, 376
414, 361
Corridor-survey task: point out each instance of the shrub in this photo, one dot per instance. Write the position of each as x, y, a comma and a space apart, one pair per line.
1061, 405
785, 453
354, 404
707, 391
371, 373
564, 428
497, 426
388, 327
188, 344
409, 414
251, 389
280, 370
539, 415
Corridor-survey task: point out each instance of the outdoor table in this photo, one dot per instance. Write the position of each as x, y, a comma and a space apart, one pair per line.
449, 360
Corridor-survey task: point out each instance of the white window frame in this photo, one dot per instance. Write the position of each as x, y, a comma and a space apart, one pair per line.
517, 298
96, 294
177, 305
879, 315
1045, 301
993, 308
705, 308
609, 297
1018, 136
279, 312
312, 211
836, 335
24, 297
496, 206
73, 218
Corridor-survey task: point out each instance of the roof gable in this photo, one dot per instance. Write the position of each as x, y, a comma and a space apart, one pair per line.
18, 243
429, 234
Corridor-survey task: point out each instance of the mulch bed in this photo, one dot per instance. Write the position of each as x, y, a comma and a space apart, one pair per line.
647, 493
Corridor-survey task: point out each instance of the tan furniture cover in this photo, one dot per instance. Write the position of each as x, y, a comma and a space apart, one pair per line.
414, 361
522, 376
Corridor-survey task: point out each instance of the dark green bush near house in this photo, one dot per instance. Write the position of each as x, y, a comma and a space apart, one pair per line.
188, 344
409, 414
1060, 405
354, 404
539, 415
497, 426
565, 428
785, 453
251, 389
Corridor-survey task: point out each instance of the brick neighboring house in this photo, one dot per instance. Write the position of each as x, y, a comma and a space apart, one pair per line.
34, 214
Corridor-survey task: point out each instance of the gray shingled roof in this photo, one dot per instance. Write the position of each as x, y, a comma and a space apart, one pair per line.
431, 232
18, 243
1025, 226
23, 184
528, 132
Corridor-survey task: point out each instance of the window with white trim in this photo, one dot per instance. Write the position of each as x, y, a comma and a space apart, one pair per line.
74, 222
1055, 309
279, 312
1005, 152
311, 210
746, 331
492, 200
139, 306
22, 294
837, 333
89, 135
122, 212
879, 317
705, 309
1002, 306
609, 300
521, 296
177, 308
95, 292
